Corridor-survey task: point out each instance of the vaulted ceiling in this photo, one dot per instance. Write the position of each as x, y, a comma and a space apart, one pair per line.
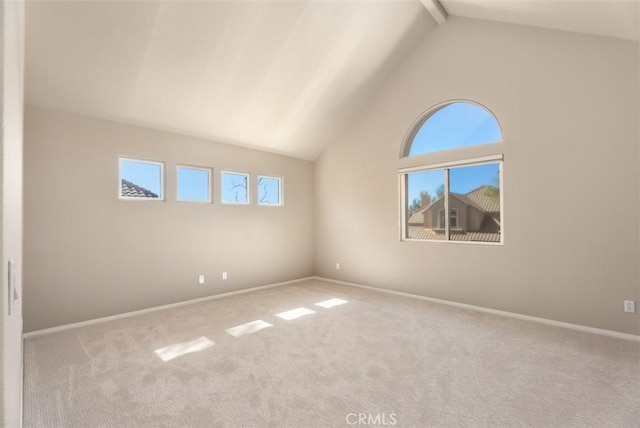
285, 77
280, 76
612, 18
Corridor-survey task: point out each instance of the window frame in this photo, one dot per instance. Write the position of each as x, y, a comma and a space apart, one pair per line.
248, 175
161, 197
447, 159
403, 174
209, 183
417, 124
280, 190
453, 214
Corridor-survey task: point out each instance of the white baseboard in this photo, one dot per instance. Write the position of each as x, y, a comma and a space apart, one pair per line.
577, 327
157, 308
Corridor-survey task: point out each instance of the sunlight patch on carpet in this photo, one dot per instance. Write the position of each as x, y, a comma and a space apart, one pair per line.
328, 304
295, 313
248, 328
170, 352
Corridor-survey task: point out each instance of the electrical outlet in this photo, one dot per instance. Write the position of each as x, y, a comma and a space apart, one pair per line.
224, 275
629, 306
337, 265
201, 279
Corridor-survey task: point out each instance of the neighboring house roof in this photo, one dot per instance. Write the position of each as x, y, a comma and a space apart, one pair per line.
130, 190
491, 224
483, 199
416, 218
419, 232
480, 198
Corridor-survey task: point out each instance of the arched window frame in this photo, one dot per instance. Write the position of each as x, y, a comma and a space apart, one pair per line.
446, 160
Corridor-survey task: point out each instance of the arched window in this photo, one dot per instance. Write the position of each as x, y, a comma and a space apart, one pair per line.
451, 126
467, 186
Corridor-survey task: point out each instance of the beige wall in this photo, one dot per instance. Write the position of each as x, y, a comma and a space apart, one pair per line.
89, 255
11, 85
569, 110
568, 107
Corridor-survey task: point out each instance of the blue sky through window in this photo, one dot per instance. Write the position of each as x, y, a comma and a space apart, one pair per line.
268, 190
461, 180
235, 188
421, 181
465, 179
456, 125
193, 184
143, 174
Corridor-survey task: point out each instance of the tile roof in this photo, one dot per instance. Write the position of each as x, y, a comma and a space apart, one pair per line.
483, 199
419, 232
130, 190
416, 218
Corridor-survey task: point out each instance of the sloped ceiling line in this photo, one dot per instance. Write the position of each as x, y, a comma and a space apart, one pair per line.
286, 77
436, 10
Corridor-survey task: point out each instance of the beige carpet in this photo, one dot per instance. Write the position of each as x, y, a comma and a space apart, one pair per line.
377, 359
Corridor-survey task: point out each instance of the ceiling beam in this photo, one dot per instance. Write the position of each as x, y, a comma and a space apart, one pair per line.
436, 10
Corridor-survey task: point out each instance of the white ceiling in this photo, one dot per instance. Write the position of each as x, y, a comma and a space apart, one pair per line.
282, 76
279, 76
612, 18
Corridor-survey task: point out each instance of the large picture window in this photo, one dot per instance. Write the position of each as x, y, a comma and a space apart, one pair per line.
469, 193
459, 200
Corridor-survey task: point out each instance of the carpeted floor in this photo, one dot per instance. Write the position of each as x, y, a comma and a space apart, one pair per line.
373, 360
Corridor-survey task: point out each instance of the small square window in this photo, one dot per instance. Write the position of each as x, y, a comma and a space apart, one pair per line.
269, 191
235, 188
141, 180
194, 184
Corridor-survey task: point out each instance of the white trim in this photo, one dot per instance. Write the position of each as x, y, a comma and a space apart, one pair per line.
447, 167
209, 172
443, 241
502, 223
280, 190
424, 117
403, 201
436, 10
464, 162
161, 196
22, 375
447, 196
158, 308
577, 327
222, 173
451, 211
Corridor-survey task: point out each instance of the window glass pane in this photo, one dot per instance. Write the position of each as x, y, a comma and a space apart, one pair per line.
455, 125
269, 190
475, 195
235, 188
140, 179
425, 199
193, 184
453, 218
